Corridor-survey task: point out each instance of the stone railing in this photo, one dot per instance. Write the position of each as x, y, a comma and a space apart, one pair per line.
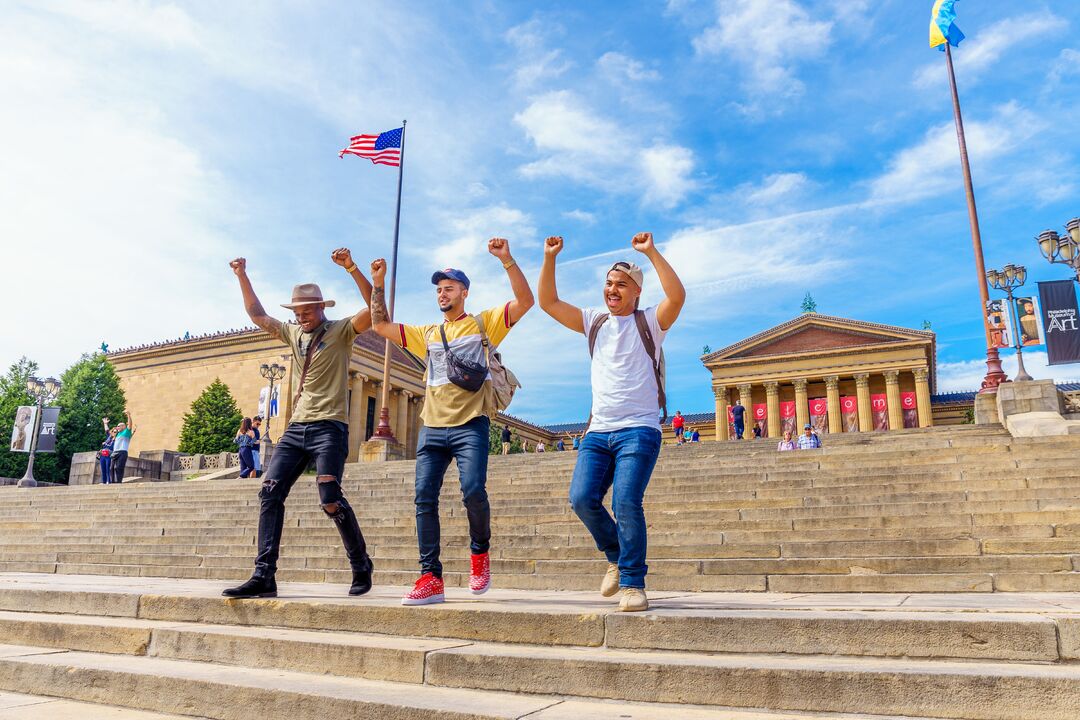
159, 465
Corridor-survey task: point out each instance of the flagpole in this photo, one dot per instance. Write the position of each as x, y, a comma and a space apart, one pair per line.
994, 374
384, 431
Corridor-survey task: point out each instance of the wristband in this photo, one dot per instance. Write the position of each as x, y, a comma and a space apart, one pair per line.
350, 268
508, 265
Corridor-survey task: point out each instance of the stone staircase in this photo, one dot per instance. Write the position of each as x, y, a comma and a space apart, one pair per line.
966, 509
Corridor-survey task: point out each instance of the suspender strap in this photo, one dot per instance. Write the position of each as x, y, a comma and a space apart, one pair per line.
312, 348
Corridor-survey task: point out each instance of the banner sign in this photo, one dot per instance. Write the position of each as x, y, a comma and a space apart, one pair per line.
268, 401
910, 407
761, 418
47, 433
787, 417
879, 407
997, 318
1030, 321
819, 414
730, 422
1061, 321
22, 434
849, 409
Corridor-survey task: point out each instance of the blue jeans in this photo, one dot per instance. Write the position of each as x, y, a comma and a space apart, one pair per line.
435, 448
106, 469
739, 429
623, 460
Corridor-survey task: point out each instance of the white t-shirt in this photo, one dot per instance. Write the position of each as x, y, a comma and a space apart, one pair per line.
624, 392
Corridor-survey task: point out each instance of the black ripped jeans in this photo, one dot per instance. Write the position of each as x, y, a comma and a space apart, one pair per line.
327, 443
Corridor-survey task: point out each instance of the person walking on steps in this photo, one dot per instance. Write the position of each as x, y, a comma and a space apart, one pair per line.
738, 416
458, 403
317, 431
623, 439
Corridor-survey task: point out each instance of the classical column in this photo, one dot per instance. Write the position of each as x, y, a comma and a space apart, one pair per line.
892, 393
832, 394
720, 393
922, 395
802, 408
772, 399
866, 411
357, 414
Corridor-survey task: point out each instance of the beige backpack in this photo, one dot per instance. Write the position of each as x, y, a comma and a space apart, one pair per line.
503, 381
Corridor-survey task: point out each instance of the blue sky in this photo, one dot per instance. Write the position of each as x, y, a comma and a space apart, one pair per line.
774, 148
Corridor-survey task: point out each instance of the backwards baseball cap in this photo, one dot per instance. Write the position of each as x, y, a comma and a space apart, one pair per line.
450, 274
630, 269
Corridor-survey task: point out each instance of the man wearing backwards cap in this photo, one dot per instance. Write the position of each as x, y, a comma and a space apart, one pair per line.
318, 429
456, 419
623, 439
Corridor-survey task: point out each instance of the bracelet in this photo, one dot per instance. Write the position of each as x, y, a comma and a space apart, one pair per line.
508, 265
350, 268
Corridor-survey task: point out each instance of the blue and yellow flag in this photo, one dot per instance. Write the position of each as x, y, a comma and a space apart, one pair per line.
943, 25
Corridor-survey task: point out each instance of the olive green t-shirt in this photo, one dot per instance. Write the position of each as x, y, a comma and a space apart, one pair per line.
325, 391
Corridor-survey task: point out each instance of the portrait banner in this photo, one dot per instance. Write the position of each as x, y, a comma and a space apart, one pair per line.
787, 417
997, 319
1061, 321
879, 407
819, 415
910, 407
22, 434
264, 395
761, 418
730, 422
849, 409
1029, 320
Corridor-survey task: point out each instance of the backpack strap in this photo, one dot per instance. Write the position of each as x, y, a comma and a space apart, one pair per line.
594, 330
650, 347
313, 346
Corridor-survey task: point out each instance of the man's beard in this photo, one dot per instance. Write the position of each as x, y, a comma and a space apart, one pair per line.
446, 308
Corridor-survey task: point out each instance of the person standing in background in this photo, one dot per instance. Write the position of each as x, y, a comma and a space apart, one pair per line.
256, 447
105, 453
119, 455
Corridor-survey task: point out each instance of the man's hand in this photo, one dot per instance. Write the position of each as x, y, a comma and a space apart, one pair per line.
643, 242
239, 266
500, 248
342, 257
378, 272
553, 246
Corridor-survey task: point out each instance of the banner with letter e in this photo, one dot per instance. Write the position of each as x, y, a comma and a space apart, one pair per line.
1061, 321
761, 418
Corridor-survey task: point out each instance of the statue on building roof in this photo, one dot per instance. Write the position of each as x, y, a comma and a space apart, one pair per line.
808, 304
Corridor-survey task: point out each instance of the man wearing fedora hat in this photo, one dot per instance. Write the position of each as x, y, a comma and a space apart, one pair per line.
318, 431
456, 418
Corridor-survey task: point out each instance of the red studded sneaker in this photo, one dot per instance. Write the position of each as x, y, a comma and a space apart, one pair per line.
428, 590
480, 576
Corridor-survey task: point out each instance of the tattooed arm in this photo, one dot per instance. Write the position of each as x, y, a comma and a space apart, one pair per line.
361, 321
380, 316
251, 302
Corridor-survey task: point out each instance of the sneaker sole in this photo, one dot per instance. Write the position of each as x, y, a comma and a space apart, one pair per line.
250, 597
424, 601
641, 609
482, 590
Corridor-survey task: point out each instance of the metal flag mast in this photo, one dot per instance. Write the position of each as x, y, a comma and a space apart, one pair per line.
994, 375
384, 431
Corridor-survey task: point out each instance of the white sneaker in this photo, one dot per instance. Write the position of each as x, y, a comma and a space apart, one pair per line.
610, 584
633, 600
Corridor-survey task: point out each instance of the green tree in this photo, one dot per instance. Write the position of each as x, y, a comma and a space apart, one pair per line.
495, 440
13, 394
91, 391
212, 423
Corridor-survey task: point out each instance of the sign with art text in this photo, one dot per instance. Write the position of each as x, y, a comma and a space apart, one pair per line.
1061, 321
47, 431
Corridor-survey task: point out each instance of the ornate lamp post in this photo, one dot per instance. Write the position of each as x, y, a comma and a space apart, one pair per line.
273, 373
1007, 279
43, 391
1062, 249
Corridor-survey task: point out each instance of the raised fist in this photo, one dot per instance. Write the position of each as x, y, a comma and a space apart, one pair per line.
239, 266
500, 248
553, 245
642, 242
378, 272
342, 257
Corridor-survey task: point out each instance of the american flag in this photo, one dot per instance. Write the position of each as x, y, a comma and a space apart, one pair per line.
381, 149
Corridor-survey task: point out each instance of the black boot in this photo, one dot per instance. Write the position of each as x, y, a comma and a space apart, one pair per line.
361, 581
256, 587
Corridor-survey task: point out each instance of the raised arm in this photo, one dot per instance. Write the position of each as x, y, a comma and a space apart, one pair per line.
105, 422
361, 321
674, 293
251, 302
564, 312
523, 296
130, 425
380, 317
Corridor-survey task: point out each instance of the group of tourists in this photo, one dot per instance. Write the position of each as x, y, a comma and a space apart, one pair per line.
683, 433
507, 437
248, 446
465, 386
113, 454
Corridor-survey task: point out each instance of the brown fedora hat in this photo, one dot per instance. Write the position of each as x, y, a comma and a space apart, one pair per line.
307, 294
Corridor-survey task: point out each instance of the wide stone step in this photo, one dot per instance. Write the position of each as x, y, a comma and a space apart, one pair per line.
20, 706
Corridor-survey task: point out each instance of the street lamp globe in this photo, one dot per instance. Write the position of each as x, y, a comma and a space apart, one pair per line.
1073, 226
1048, 244
33, 385
52, 386
1067, 248
1021, 274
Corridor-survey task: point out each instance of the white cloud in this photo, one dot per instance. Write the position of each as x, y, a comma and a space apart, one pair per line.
774, 190
582, 216
1066, 65
769, 39
619, 67
967, 375
932, 165
980, 51
667, 170
537, 61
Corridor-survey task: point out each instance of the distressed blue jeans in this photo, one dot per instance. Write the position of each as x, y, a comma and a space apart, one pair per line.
468, 445
621, 461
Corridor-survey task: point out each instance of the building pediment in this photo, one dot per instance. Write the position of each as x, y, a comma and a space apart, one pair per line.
811, 333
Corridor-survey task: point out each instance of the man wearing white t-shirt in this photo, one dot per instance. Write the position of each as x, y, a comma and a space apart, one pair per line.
620, 448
